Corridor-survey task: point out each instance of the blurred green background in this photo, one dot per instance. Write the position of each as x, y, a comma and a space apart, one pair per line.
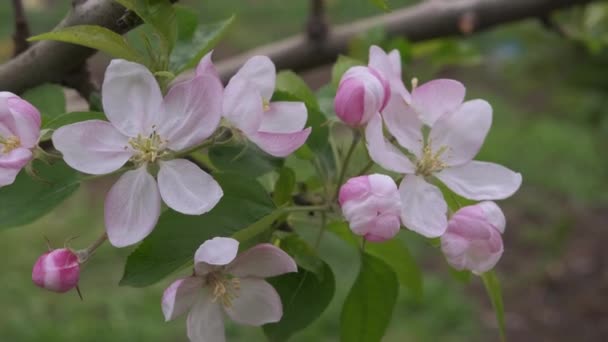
548, 89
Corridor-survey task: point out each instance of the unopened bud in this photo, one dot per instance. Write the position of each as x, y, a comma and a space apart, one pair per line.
57, 270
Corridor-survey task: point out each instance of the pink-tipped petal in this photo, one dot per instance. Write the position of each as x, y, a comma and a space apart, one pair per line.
385, 227
435, 98
262, 261
394, 58
218, 251
131, 97
191, 112
205, 320
186, 188
423, 208
27, 121
180, 296
93, 146
261, 73
494, 215
383, 152
280, 144
462, 132
243, 106
132, 208
206, 66
403, 123
57, 270
258, 303
15, 159
284, 117
481, 180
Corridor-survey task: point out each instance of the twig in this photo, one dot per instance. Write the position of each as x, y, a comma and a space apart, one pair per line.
317, 26
22, 29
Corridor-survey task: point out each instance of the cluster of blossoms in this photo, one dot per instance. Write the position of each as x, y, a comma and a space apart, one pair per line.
438, 134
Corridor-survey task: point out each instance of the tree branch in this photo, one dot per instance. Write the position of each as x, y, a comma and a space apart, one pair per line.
427, 20
22, 29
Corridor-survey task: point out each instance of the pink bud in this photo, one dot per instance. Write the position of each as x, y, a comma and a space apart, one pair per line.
472, 240
57, 270
361, 94
371, 205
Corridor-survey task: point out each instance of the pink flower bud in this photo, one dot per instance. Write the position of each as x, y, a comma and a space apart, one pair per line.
472, 240
371, 205
57, 270
361, 94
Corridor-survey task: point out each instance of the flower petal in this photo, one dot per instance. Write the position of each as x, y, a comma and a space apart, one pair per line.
186, 188
131, 97
423, 208
258, 303
481, 180
403, 123
26, 119
261, 73
284, 117
8, 175
206, 66
280, 144
218, 251
205, 320
262, 261
435, 98
462, 132
92, 146
191, 112
383, 152
132, 208
180, 295
15, 159
243, 106
379, 61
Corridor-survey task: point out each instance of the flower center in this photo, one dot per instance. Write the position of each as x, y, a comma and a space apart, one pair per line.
430, 163
10, 143
266, 104
148, 149
225, 288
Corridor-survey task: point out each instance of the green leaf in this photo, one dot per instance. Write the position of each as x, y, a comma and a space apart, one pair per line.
492, 285
290, 83
304, 297
95, 37
284, 186
247, 160
381, 4
205, 38
305, 256
176, 237
258, 232
48, 98
187, 21
28, 199
73, 117
453, 200
342, 64
368, 308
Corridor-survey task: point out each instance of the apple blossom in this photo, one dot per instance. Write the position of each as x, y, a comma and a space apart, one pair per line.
57, 270
276, 127
226, 283
372, 205
147, 130
472, 240
19, 134
457, 132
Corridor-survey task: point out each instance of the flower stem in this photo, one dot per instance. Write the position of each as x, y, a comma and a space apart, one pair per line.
349, 154
366, 168
83, 255
321, 229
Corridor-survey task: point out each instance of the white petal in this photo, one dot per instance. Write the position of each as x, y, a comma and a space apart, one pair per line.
494, 215
131, 97
261, 73
284, 117
383, 152
262, 261
257, 303
435, 98
93, 146
481, 180
186, 188
191, 112
403, 123
423, 208
180, 295
132, 208
218, 251
462, 132
205, 321
380, 61
243, 106
280, 144
26, 121
8, 175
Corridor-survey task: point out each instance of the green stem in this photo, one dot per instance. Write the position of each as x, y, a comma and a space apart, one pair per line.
349, 154
366, 168
321, 229
307, 208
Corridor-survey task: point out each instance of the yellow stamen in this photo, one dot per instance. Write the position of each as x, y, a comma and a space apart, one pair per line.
224, 288
266, 104
9, 143
414, 83
148, 149
430, 163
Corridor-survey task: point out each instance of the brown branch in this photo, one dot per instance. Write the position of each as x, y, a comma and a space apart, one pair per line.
427, 20
22, 29
317, 25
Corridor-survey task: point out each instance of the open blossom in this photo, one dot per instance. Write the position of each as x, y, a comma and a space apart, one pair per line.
19, 134
57, 270
472, 240
365, 90
276, 127
371, 205
226, 283
147, 130
457, 132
